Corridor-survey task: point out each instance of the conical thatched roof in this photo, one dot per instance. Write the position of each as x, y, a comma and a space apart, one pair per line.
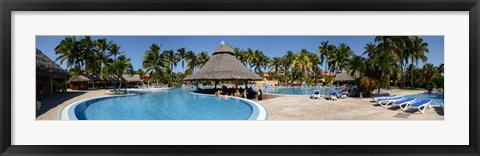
46, 65
344, 76
223, 66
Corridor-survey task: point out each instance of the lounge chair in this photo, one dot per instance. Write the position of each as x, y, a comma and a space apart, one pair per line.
421, 105
442, 104
383, 97
315, 95
39, 104
343, 95
403, 104
332, 96
387, 101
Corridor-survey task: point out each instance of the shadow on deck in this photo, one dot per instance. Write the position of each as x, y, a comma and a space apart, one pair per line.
53, 100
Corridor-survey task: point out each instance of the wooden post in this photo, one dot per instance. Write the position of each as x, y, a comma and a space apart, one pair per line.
51, 84
245, 81
196, 84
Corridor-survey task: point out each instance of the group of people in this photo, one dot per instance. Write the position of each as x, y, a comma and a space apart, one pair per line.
230, 90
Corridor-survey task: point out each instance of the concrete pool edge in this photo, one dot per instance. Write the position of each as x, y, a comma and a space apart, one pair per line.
258, 111
68, 112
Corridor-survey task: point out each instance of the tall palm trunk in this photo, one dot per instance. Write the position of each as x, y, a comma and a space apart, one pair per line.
413, 68
171, 75
291, 76
120, 86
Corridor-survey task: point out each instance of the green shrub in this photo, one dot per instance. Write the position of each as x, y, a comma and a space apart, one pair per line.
366, 85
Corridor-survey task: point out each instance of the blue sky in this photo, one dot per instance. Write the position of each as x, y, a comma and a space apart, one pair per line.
135, 46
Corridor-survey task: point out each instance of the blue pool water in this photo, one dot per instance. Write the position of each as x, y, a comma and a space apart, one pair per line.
298, 91
434, 97
175, 104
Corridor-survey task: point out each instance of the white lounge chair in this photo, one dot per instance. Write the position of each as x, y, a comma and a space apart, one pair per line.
403, 104
387, 101
315, 95
421, 105
332, 96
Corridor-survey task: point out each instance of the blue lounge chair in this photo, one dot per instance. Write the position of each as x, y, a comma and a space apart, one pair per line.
421, 105
385, 102
383, 97
332, 96
315, 95
404, 103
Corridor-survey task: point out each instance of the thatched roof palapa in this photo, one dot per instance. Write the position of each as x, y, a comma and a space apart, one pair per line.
46, 65
132, 78
91, 78
223, 66
80, 78
344, 76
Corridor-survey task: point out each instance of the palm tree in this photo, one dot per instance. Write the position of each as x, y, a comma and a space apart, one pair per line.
339, 58
371, 50
303, 62
171, 60
76, 70
141, 73
325, 51
192, 62
357, 65
404, 57
114, 50
440, 68
202, 58
287, 63
396, 46
275, 63
429, 71
87, 54
417, 52
117, 69
101, 46
241, 55
259, 61
249, 57
181, 55
386, 65
69, 50
153, 62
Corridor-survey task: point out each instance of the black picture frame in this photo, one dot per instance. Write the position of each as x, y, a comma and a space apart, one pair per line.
7, 6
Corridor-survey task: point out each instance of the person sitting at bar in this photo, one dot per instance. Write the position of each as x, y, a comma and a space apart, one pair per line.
237, 93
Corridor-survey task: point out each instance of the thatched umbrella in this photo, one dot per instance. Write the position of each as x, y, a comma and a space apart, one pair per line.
223, 66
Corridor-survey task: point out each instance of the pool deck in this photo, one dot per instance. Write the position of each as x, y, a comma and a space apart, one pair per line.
53, 104
284, 107
280, 107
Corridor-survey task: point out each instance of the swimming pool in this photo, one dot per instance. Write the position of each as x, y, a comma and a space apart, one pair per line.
298, 90
434, 97
174, 104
